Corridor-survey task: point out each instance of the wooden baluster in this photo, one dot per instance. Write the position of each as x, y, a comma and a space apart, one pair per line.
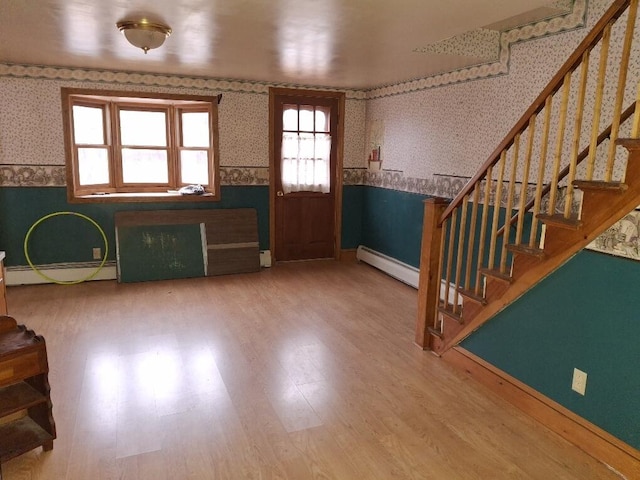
431, 254
461, 239
577, 129
525, 179
635, 129
443, 238
483, 229
548, 103
622, 82
452, 236
496, 211
562, 123
510, 194
472, 236
597, 107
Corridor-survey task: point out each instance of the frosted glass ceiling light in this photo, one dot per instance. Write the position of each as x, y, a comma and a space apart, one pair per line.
143, 34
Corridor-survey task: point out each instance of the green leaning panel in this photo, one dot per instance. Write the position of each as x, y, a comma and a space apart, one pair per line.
159, 252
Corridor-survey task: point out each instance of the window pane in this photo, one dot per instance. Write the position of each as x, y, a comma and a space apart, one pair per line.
195, 129
93, 166
306, 162
142, 128
144, 166
290, 117
194, 167
322, 119
88, 127
306, 118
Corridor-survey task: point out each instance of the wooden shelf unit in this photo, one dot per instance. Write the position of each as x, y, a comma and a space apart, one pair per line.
26, 418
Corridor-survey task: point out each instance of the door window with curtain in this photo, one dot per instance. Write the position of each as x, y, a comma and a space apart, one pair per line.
306, 149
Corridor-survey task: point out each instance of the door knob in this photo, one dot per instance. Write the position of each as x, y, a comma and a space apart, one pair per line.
280, 193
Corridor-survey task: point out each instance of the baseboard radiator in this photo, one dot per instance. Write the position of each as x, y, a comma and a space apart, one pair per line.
389, 265
65, 272
69, 272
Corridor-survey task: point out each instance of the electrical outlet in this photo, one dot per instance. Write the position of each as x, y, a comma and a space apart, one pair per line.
579, 383
97, 253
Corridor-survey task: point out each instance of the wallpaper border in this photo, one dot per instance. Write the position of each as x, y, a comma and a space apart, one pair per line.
55, 176
440, 185
155, 80
449, 186
622, 239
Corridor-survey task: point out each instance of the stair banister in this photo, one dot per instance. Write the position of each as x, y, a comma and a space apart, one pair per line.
591, 40
454, 216
483, 288
604, 135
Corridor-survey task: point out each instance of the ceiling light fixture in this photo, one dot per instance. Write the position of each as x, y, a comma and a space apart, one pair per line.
144, 34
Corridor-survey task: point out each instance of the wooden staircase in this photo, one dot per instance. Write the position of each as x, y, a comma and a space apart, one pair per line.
603, 205
478, 256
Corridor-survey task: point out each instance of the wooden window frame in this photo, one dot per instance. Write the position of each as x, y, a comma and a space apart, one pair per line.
117, 190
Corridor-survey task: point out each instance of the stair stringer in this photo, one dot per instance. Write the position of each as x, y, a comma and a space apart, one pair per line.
600, 210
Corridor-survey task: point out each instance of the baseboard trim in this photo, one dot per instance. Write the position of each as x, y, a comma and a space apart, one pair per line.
348, 255
617, 455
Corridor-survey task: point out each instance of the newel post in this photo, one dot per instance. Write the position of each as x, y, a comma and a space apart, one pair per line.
428, 286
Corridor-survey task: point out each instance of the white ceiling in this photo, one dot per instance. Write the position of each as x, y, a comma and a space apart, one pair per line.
331, 43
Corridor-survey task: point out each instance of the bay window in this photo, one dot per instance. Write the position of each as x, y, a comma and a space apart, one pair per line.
124, 146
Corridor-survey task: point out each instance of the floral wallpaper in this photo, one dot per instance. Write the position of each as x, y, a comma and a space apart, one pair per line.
452, 130
482, 43
32, 144
433, 133
424, 133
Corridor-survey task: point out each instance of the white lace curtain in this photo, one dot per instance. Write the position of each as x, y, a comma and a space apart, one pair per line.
305, 162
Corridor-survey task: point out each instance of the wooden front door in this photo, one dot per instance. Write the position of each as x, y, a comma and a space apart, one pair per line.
305, 146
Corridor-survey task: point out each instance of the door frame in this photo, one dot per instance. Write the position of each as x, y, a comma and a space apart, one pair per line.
340, 96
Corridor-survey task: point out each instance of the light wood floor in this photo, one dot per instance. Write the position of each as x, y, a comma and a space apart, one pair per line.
303, 371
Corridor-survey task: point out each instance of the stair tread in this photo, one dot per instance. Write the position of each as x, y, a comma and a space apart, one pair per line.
559, 220
629, 142
450, 313
600, 185
497, 274
526, 250
435, 332
471, 295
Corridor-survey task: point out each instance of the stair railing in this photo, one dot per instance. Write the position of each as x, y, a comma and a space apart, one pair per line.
473, 237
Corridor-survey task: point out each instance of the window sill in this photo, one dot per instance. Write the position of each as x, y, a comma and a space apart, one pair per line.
172, 196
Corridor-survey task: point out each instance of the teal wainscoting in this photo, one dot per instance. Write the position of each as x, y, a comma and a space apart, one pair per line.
585, 315
352, 206
392, 223
71, 239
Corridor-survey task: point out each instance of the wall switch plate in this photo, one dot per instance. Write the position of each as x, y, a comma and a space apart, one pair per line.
97, 253
579, 383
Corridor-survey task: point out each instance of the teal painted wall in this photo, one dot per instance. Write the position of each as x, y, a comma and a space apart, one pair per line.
584, 315
352, 206
392, 223
561, 324
70, 239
